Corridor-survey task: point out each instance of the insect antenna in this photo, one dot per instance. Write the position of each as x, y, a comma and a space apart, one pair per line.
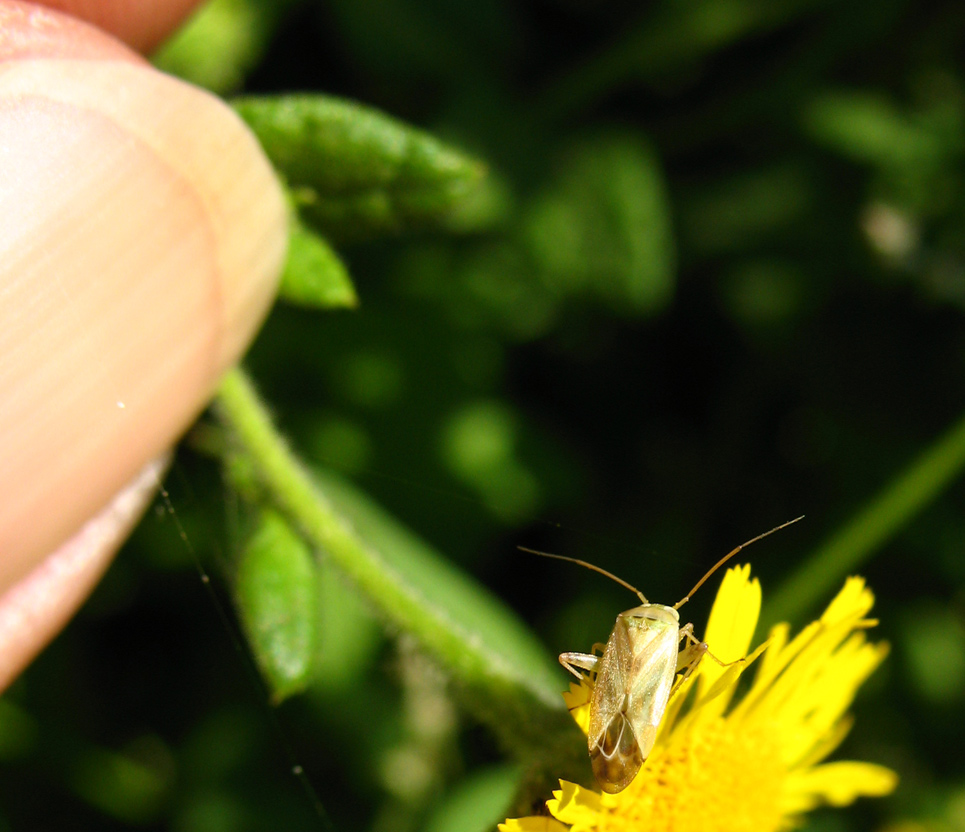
591, 566
728, 556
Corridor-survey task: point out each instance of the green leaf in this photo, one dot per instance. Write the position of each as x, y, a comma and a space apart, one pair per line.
356, 172
130, 786
911, 151
870, 128
603, 226
350, 634
221, 43
314, 274
501, 647
478, 803
277, 595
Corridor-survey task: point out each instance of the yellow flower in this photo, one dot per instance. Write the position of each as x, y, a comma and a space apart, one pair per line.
753, 764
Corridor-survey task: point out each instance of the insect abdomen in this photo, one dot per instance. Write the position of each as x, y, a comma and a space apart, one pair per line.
616, 758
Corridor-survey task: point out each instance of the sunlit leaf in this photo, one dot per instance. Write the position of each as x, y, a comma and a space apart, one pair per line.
356, 172
314, 274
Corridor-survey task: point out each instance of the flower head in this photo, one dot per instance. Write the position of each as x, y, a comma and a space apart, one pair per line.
749, 764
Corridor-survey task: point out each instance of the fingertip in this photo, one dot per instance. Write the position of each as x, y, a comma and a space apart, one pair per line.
36, 607
28, 30
141, 24
145, 235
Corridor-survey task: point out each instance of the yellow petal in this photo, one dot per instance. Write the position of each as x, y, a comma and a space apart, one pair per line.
577, 699
782, 654
575, 805
839, 784
532, 824
711, 704
854, 599
678, 696
796, 691
721, 691
777, 641
733, 619
833, 691
815, 690
826, 744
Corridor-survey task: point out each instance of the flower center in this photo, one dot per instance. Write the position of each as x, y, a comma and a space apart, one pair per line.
718, 777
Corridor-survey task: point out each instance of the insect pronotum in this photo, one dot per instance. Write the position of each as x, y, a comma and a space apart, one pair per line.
633, 679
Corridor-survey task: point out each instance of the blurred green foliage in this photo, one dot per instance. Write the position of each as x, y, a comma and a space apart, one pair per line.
276, 588
627, 283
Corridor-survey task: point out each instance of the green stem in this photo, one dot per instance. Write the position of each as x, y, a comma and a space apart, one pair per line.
522, 707
887, 512
290, 485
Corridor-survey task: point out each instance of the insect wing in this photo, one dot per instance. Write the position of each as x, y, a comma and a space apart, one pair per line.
614, 751
651, 678
630, 694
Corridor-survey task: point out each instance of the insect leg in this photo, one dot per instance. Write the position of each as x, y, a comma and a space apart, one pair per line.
694, 651
580, 664
690, 656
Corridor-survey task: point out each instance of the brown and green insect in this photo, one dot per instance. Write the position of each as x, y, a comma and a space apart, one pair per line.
632, 681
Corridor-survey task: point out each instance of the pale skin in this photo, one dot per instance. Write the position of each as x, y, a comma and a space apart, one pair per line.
123, 297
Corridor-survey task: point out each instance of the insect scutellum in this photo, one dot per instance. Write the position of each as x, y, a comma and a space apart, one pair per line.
631, 682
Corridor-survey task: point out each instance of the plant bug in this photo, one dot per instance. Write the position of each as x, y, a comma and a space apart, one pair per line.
634, 678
